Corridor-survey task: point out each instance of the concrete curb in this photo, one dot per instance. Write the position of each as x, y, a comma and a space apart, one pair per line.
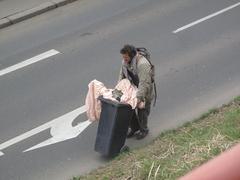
4, 23
23, 15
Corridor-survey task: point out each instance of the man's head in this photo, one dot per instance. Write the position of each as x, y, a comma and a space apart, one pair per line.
128, 52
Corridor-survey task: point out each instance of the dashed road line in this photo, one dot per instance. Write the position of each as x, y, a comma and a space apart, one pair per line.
206, 18
28, 62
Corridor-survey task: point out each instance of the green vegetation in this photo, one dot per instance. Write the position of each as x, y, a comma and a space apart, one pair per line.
176, 152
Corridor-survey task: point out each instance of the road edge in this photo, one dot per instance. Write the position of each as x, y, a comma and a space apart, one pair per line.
29, 13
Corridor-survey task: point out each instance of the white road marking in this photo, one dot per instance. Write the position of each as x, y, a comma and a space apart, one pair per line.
30, 61
60, 127
1, 154
62, 132
206, 18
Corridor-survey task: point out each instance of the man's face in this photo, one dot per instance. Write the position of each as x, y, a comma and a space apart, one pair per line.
126, 58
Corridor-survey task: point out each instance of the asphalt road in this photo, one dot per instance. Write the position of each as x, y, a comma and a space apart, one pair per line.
196, 69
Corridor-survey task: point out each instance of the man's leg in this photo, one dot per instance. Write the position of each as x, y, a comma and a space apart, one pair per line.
143, 120
134, 125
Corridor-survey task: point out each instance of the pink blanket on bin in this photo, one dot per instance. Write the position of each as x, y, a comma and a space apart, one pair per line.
97, 88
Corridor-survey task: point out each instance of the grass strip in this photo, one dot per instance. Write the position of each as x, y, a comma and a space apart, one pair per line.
176, 152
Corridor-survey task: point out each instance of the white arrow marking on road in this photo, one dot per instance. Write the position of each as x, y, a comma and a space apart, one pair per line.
29, 61
1, 154
60, 128
62, 132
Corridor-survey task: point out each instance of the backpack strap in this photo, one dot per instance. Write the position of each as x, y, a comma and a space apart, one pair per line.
155, 93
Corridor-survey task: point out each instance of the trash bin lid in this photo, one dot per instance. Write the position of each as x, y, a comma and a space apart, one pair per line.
115, 103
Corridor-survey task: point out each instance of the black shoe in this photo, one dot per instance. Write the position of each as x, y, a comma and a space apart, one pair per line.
142, 134
131, 133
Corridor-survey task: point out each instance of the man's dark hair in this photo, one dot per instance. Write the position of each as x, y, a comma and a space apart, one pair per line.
129, 50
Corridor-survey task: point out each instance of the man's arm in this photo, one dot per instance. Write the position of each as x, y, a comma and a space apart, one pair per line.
121, 75
144, 75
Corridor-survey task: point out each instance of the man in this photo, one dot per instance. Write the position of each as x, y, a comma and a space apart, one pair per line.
137, 69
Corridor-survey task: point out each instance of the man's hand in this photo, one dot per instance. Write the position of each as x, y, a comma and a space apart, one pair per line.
140, 104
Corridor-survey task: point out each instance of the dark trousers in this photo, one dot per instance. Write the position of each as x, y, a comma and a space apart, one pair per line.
140, 118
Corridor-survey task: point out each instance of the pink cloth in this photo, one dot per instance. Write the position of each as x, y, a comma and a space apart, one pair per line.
129, 92
97, 88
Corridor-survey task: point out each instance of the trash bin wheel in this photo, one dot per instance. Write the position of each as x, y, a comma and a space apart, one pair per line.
124, 149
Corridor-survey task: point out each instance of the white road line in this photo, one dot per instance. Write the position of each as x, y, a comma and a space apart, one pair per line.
206, 18
29, 61
69, 118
